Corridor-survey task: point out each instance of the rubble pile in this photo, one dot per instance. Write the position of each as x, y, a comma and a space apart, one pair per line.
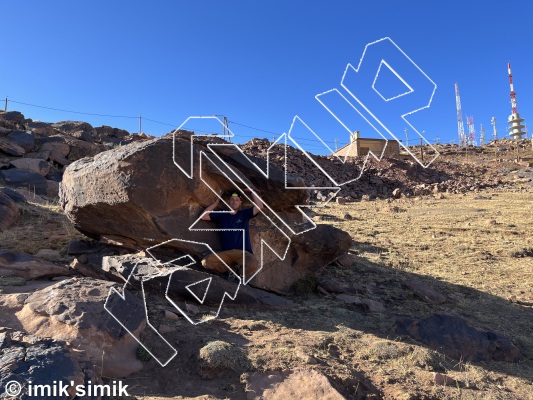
370, 178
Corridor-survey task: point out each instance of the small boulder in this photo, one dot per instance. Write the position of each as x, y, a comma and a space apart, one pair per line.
14, 195
20, 178
11, 148
28, 267
425, 292
341, 201
24, 139
40, 167
299, 384
453, 336
397, 193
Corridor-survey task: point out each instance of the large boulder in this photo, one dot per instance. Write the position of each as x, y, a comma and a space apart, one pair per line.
73, 310
137, 197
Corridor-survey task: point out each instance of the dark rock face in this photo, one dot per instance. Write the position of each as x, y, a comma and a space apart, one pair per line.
14, 195
26, 358
24, 139
451, 335
178, 281
25, 179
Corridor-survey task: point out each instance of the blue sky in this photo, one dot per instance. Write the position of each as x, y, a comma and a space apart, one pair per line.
260, 63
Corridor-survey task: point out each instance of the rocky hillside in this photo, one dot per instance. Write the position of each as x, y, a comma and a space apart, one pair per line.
90, 265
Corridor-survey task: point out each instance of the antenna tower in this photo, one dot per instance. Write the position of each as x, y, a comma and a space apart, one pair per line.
471, 131
494, 133
481, 135
514, 119
460, 126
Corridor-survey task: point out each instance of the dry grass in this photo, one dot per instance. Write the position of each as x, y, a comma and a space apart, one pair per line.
478, 253
475, 252
480, 244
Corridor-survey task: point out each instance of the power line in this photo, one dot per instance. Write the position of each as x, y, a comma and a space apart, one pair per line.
168, 124
70, 111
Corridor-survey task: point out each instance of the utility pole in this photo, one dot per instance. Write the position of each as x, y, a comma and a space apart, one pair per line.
140, 123
406, 138
225, 129
422, 147
5, 107
336, 144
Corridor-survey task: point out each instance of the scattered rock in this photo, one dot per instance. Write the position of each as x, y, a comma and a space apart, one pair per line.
341, 201
164, 328
73, 310
171, 315
28, 267
425, 292
58, 149
397, 193
346, 259
13, 116
349, 299
334, 285
48, 254
11, 148
14, 195
299, 384
24, 139
453, 336
42, 361
373, 305
393, 209
19, 178
35, 165
444, 380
